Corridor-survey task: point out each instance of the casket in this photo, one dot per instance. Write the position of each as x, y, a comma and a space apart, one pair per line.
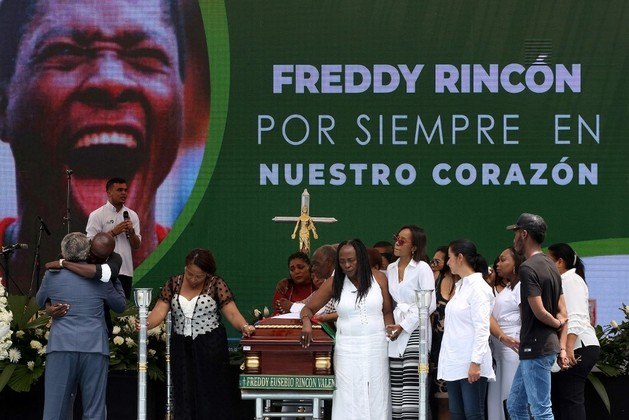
275, 349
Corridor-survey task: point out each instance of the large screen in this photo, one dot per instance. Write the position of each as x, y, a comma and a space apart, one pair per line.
456, 117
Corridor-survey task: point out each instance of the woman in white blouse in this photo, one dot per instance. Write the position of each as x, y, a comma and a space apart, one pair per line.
408, 274
582, 346
465, 357
505, 332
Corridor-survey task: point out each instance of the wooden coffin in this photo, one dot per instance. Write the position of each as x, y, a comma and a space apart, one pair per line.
275, 349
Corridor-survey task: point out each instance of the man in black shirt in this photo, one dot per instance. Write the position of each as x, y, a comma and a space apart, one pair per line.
543, 333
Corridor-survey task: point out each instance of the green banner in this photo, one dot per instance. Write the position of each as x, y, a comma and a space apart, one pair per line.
456, 116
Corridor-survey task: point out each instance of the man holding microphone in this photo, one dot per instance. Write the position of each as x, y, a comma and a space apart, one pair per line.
122, 223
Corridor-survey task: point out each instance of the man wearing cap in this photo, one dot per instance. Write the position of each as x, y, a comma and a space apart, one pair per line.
543, 318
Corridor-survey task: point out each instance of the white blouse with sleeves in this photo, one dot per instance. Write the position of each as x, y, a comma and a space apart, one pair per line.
576, 294
417, 276
466, 330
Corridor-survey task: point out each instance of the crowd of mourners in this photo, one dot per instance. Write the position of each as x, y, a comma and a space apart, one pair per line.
512, 339
508, 340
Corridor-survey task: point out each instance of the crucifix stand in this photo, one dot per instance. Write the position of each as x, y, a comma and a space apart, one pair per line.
304, 223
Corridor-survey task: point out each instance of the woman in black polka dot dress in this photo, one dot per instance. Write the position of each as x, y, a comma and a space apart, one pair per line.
199, 354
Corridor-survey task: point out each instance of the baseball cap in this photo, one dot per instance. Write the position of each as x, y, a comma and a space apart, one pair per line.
529, 222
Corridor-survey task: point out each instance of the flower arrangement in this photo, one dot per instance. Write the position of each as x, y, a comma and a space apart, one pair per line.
614, 340
5, 325
24, 331
23, 338
123, 345
258, 315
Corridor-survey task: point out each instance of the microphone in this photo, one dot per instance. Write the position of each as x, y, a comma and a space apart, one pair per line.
43, 225
125, 215
11, 248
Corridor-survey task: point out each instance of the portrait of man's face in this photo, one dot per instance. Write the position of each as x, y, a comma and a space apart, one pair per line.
93, 90
97, 89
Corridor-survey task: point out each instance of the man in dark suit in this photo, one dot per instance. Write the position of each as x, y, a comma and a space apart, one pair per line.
77, 350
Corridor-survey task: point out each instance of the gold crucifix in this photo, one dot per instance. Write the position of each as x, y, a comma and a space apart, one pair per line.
304, 223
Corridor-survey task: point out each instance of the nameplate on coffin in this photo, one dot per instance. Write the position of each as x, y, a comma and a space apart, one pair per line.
297, 382
275, 349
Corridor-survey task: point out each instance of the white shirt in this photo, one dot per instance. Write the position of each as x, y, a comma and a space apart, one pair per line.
576, 294
187, 307
506, 311
466, 330
417, 276
104, 219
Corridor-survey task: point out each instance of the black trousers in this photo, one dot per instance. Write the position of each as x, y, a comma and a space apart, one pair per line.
568, 386
127, 292
126, 282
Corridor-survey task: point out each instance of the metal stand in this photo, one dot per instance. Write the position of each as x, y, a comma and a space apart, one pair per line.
423, 298
9, 281
36, 263
169, 385
142, 300
317, 398
68, 218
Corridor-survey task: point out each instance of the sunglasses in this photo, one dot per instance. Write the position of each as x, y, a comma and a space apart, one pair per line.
399, 240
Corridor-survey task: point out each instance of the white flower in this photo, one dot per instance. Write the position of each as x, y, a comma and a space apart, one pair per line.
14, 355
5, 344
30, 365
116, 330
36, 345
19, 334
152, 352
265, 312
129, 341
131, 322
118, 340
614, 324
4, 330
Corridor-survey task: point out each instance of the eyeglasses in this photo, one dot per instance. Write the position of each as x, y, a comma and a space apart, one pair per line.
399, 240
195, 276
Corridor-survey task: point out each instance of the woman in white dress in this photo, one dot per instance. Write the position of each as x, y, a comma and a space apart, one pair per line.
361, 365
408, 274
505, 333
465, 356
